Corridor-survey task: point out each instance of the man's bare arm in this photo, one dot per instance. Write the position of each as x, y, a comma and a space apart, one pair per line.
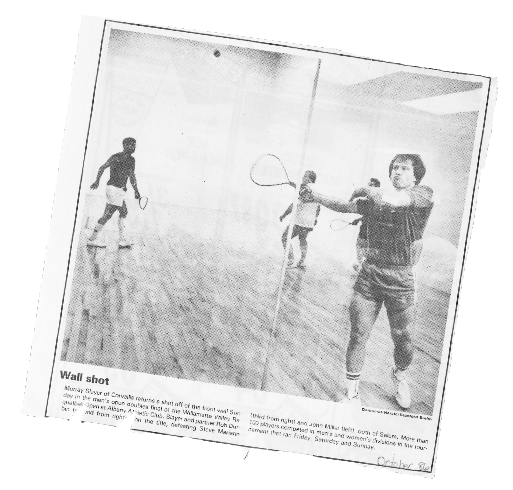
102, 169
286, 213
317, 213
389, 198
333, 203
133, 181
419, 195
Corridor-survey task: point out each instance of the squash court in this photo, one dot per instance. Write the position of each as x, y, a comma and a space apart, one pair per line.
194, 298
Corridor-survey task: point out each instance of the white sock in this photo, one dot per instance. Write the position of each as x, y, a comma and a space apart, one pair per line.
353, 385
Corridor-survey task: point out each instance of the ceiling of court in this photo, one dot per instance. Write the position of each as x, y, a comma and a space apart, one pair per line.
403, 91
448, 104
206, 79
403, 86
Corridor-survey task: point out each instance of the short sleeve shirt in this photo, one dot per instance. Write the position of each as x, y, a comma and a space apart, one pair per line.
122, 166
394, 233
306, 213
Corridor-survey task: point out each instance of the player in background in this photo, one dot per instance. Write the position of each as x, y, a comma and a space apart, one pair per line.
395, 224
306, 219
122, 168
361, 241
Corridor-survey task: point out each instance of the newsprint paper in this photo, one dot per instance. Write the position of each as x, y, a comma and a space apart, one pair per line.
258, 243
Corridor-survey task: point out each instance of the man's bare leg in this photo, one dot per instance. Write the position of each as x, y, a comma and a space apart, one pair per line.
284, 242
363, 314
123, 213
107, 215
303, 246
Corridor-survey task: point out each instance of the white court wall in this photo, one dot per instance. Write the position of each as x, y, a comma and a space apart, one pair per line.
201, 121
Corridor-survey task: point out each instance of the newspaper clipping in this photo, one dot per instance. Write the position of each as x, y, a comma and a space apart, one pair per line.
259, 244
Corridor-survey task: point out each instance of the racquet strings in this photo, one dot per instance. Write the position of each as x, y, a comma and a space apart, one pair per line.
143, 202
268, 170
339, 224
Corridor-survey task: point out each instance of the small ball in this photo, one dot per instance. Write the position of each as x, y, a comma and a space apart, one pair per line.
217, 53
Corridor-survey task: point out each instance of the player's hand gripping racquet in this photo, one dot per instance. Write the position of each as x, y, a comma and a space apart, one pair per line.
269, 171
143, 202
305, 193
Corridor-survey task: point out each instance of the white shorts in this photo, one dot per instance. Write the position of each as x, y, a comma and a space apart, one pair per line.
115, 195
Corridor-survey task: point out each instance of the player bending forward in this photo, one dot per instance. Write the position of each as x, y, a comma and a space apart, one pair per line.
122, 168
395, 225
306, 219
361, 241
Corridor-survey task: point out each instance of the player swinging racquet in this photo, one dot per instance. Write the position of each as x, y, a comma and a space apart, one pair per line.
269, 171
122, 168
306, 218
395, 226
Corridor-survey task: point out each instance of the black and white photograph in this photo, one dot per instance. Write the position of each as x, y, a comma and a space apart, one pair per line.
271, 221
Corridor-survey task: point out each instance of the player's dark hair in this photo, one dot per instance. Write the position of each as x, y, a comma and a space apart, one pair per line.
376, 182
419, 169
128, 140
311, 175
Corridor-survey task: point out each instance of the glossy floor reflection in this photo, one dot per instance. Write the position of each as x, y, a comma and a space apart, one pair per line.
187, 304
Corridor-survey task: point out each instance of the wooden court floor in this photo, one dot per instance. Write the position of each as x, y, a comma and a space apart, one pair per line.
185, 305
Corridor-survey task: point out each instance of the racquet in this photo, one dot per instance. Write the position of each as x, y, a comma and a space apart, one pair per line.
143, 202
269, 171
339, 224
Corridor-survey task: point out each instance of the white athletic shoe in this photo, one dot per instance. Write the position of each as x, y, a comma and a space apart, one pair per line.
353, 402
290, 264
402, 390
301, 264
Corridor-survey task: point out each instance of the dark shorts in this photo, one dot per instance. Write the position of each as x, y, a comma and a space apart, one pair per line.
392, 285
300, 230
